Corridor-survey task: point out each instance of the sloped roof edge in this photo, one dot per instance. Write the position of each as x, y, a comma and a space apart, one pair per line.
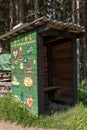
53, 24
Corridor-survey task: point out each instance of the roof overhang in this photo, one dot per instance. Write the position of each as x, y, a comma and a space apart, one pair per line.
46, 26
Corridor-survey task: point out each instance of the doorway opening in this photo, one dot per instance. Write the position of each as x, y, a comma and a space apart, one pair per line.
58, 73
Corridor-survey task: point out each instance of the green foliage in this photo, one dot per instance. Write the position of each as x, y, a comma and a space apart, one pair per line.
82, 93
73, 119
11, 108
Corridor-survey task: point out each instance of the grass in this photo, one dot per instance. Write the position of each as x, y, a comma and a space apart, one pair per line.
74, 118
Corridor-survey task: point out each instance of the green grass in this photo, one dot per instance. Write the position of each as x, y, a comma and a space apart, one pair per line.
74, 118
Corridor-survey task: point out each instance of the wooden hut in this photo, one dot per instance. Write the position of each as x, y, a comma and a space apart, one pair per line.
44, 62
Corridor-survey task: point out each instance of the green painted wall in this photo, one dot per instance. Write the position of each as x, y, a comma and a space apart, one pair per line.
24, 69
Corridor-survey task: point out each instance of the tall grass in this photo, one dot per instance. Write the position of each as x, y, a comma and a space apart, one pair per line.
73, 119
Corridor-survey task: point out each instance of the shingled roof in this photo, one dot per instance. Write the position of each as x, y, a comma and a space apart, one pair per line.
49, 24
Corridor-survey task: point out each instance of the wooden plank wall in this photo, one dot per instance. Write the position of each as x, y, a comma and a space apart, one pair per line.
24, 69
45, 67
62, 71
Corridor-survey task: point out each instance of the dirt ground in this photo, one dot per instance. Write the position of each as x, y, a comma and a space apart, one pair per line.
12, 126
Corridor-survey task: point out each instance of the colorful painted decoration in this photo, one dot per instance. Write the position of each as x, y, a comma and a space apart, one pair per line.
15, 53
29, 51
24, 70
25, 60
13, 67
30, 102
29, 69
20, 53
34, 62
28, 82
21, 64
15, 83
16, 62
22, 95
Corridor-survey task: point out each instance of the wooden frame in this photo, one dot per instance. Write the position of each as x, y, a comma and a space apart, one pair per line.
40, 75
74, 82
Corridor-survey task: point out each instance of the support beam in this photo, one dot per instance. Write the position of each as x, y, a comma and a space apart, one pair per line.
40, 75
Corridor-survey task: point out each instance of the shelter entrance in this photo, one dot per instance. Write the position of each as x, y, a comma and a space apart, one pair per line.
58, 72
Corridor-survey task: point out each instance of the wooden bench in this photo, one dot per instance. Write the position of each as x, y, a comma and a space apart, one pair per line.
52, 88
50, 92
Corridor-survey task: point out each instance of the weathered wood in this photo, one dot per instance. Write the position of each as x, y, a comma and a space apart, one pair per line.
5, 87
49, 59
5, 84
43, 21
2, 80
74, 81
45, 67
40, 75
51, 88
62, 70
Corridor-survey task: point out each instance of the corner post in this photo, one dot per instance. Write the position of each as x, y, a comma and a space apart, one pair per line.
75, 70
40, 74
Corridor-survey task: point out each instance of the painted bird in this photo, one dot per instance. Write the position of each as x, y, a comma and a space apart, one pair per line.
29, 51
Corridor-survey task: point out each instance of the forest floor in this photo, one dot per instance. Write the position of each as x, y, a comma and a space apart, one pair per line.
6, 125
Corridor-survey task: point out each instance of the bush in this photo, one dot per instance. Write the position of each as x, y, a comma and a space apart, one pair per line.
82, 93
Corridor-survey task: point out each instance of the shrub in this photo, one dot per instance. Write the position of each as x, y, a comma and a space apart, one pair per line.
82, 93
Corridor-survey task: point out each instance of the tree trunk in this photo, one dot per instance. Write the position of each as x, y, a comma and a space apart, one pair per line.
73, 11
11, 13
78, 45
84, 41
36, 9
19, 11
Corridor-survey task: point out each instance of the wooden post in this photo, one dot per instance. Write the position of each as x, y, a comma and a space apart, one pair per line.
75, 73
40, 75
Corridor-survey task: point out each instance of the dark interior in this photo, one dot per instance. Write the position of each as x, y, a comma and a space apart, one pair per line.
58, 71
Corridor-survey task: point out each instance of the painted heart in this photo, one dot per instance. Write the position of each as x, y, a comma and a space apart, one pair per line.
30, 102
15, 53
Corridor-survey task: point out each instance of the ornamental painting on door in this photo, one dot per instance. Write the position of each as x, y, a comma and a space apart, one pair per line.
24, 69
